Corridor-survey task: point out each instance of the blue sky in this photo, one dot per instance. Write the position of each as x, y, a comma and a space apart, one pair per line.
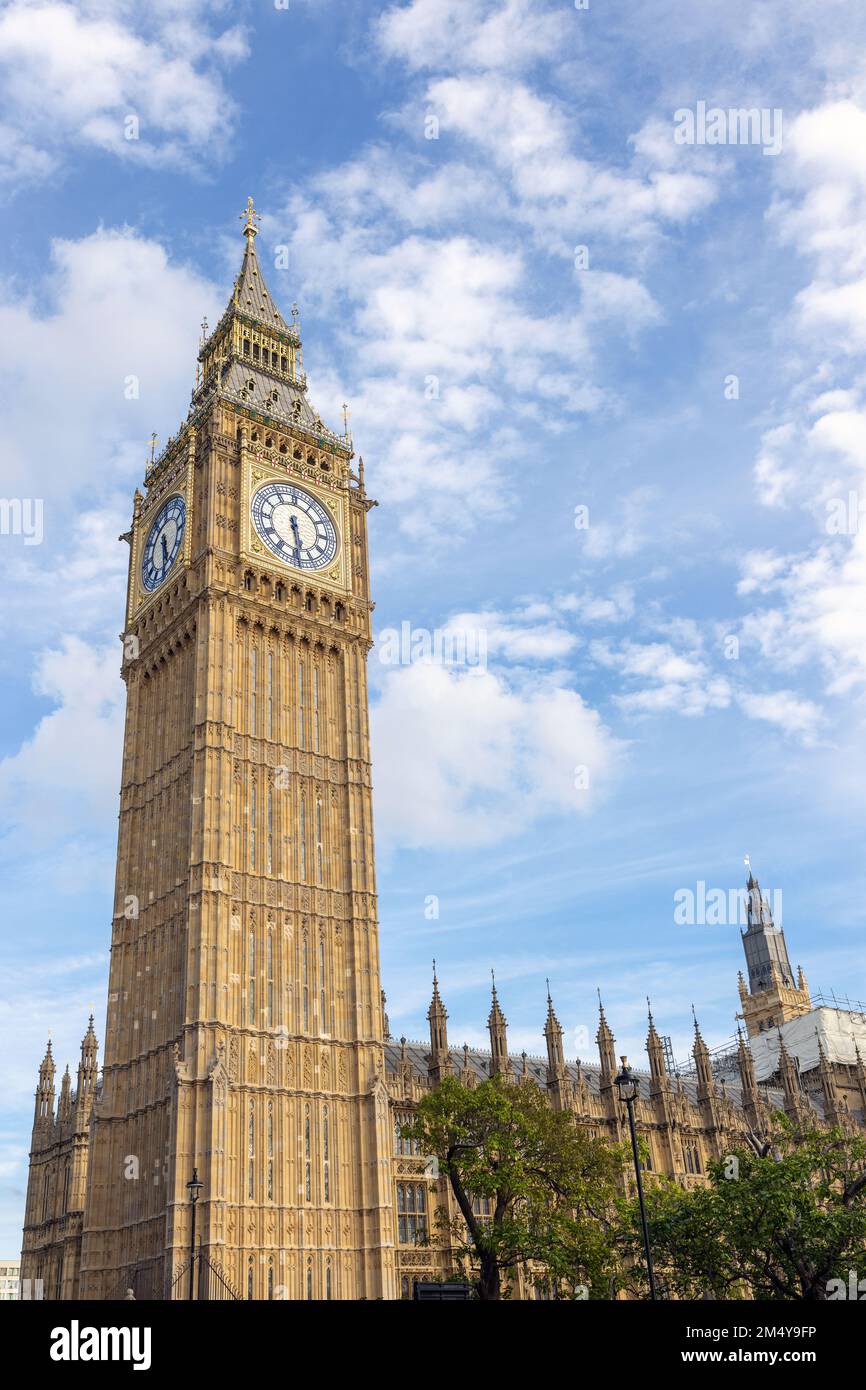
498, 379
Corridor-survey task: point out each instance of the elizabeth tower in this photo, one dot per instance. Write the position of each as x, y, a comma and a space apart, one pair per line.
244, 1035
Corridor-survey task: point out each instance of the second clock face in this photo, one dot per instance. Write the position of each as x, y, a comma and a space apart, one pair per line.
294, 526
163, 542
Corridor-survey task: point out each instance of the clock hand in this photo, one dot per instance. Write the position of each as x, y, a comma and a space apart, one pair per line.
297, 535
164, 549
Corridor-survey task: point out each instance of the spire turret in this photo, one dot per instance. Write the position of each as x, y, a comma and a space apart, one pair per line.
658, 1070
437, 1017
606, 1052
88, 1071
553, 1037
44, 1113
498, 1029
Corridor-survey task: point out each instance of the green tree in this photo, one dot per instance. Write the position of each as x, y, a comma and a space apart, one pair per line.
530, 1186
777, 1221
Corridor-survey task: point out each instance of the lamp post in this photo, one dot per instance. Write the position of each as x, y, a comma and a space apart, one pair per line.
628, 1087
193, 1187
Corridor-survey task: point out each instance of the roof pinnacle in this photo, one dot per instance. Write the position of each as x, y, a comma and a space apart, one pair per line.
250, 217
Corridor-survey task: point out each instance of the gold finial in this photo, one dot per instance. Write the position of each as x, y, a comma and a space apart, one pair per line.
153, 443
250, 217
345, 420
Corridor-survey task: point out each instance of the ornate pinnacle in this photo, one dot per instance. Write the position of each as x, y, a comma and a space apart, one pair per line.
250, 217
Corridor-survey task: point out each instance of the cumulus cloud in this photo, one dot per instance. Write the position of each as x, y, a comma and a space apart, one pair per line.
142, 83
463, 759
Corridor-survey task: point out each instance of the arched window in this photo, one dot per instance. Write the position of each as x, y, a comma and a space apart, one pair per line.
303, 831
404, 1286
270, 963
256, 353
339, 612
246, 347
306, 983
254, 692
328, 1281
309, 603
270, 1283
326, 1153
271, 1159
252, 976
270, 833
315, 709
319, 855
308, 1155
309, 1281
323, 1018
301, 710
250, 1281
284, 364
252, 1152
248, 581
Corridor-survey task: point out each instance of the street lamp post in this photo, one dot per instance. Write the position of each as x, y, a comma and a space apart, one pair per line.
628, 1087
193, 1187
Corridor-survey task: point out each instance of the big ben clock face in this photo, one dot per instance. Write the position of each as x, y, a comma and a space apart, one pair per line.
294, 526
164, 540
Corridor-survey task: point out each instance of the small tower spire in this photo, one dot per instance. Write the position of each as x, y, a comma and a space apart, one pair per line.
497, 1027
44, 1113
607, 1056
706, 1084
437, 1017
655, 1051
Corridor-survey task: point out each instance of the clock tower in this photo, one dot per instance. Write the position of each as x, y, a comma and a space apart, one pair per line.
244, 1036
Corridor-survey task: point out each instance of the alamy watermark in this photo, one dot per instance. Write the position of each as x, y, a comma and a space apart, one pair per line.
725, 907
713, 125
22, 516
443, 646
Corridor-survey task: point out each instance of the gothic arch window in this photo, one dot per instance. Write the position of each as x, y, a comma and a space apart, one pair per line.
252, 976
296, 453
328, 1283
306, 982
284, 364
254, 693
248, 581
309, 1281
315, 709
270, 835
256, 352
404, 1286
269, 441
308, 1155
270, 1283
270, 692
323, 1017
339, 612
325, 466
270, 961
279, 593
303, 838
250, 1280
270, 1155
246, 347
255, 436
319, 852
308, 603
252, 1151
301, 707
284, 448
326, 1154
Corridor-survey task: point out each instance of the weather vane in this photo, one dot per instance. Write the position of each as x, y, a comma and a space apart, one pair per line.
250, 217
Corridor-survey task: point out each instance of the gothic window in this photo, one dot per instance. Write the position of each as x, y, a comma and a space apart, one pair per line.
306, 983
309, 603
326, 1154
253, 828
309, 1281
270, 971
316, 709
270, 1283
256, 352
246, 347
323, 1018
411, 1212
328, 1286
275, 357
319, 855
271, 689
404, 1286
248, 582
339, 612
250, 1281
284, 448
303, 829
279, 592
284, 364
254, 680
308, 1157
46, 1187
252, 976
66, 1175
270, 1154
252, 1152
483, 1209
270, 831
697, 1159
403, 1146
301, 712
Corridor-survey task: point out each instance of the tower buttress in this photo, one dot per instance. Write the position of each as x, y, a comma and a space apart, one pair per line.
43, 1115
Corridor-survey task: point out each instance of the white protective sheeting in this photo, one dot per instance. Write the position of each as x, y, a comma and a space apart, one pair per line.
840, 1032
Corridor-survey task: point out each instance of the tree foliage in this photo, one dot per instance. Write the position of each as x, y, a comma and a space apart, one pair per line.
775, 1222
531, 1187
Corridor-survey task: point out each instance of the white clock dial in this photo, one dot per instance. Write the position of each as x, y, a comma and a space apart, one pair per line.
294, 526
163, 543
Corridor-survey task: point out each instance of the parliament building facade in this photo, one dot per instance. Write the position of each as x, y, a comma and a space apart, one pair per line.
246, 1041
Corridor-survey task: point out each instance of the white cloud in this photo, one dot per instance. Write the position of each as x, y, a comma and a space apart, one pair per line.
464, 760
66, 775
789, 712
74, 75
504, 35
